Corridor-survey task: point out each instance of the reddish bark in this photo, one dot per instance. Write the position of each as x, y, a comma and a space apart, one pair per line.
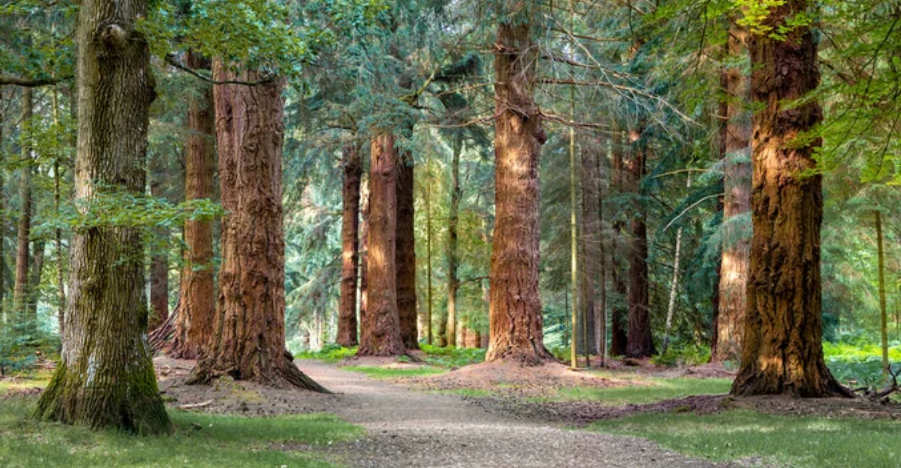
347, 308
782, 346
619, 316
515, 307
248, 342
380, 326
639, 343
405, 254
197, 299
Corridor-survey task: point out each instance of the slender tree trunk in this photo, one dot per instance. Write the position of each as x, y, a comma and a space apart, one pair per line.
515, 310
248, 340
639, 343
574, 249
21, 294
197, 299
453, 282
882, 304
58, 233
733, 276
428, 248
782, 350
364, 252
405, 251
380, 333
674, 285
620, 288
159, 288
347, 308
36, 272
105, 375
603, 245
3, 318
591, 241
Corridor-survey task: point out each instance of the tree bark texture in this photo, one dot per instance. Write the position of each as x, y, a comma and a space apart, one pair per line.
380, 333
364, 252
21, 293
516, 327
159, 288
782, 350
350, 226
105, 377
248, 340
639, 343
453, 213
733, 272
405, 253
197, 299
619, 317
591, 242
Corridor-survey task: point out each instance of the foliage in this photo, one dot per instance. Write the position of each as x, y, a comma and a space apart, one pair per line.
22, 348
684, 354
451, 357
800, 442
330, 353
200, 440
859, 363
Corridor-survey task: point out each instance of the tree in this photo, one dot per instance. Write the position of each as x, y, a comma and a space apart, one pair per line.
248, 340
350, 227
380, 328
405, 252
782, 348
516, 326
733, 272
620, 287
105, 377
453, 217
22, 295
639, 343
197, 298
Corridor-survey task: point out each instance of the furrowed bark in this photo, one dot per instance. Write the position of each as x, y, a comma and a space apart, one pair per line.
639, 343
619, 317
350, 226
21, 293
405, 252
453, 282
105, 377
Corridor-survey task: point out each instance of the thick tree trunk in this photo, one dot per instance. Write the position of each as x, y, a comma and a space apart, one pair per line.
453, 282
380, 329
105, 376
515, 307
197, 299
21, 293
405, 253
733, 272
350, 226
782, 350
619, 318
639, 343
248, 340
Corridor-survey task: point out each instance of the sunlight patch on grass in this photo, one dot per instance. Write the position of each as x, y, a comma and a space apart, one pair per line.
200, 440
800, 442
645, 390
24, 381
395, 373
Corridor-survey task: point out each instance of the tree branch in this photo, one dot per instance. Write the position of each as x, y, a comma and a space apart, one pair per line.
170, 59
29, 83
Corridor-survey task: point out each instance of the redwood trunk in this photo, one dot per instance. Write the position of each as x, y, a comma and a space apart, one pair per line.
453, 282
248, 341
619, 317
380, 328
350, 225
782, 350
516, 327
197, 300
405, 252
105, 376
21, 293
639, 343
733, 271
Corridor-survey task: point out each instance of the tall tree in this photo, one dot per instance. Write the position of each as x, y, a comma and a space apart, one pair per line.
591, 243
159, 265
453, 217
105, 376
380, 328
782, 349
405, 252
639, 343
736, 134
619, 317
197, 296
350, 227
516, 324
22, 292
248, 341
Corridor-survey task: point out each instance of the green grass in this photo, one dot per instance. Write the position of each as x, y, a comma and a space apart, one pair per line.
25, 380
649, 389
330, 354
808, 442
391, 373
221, 441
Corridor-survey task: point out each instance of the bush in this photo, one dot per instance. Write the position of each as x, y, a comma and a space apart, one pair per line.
683, 355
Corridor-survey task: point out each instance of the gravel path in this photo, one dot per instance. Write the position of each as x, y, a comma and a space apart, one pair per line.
416, 429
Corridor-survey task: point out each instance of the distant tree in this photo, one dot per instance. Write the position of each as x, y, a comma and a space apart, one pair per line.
350, 250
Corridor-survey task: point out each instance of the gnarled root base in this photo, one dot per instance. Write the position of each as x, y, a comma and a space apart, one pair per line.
534, 355
283, 375
820, 384
134, 407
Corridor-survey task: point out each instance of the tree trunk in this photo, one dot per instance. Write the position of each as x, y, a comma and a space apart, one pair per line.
591, 243
350, 226
380, 333
428, 249
733, 275
159, 288
37, 272
883, 312
639, 343
515, 307
21, 294
620, 313
782, 350
248, 340
405, 251
3, 317
453, 282
197, 299
364, 251
105, 376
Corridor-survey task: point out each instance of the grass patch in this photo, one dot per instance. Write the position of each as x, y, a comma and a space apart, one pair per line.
232, 441
25, 380
650, 390
395, 373
452, 357
800, 442
330, 354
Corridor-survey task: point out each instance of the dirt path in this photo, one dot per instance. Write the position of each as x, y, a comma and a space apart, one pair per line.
415, 429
